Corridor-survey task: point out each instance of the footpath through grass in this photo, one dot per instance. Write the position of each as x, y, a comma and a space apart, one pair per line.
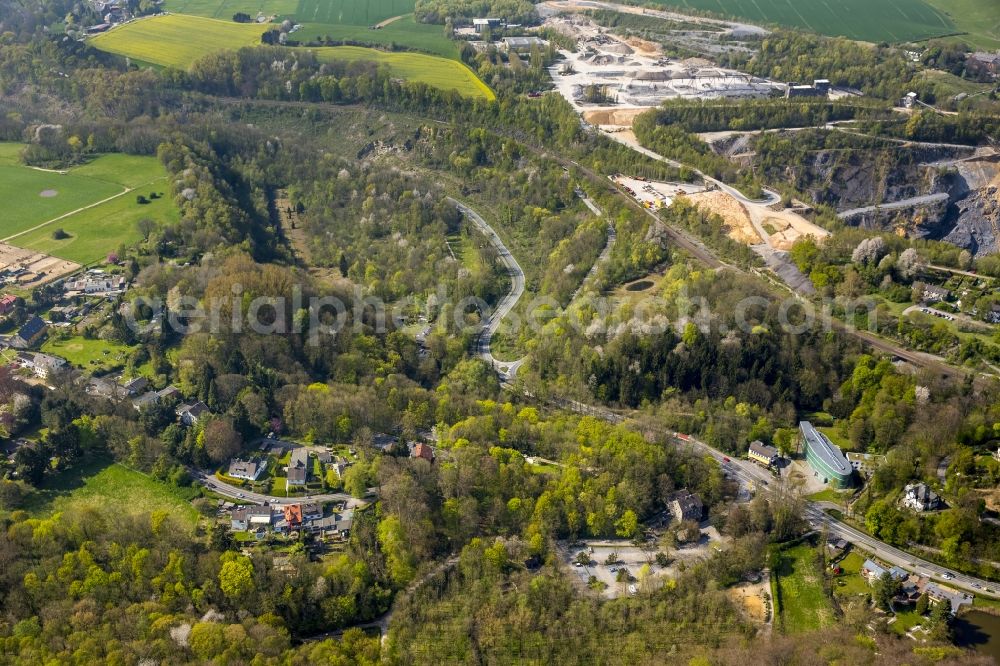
36, 198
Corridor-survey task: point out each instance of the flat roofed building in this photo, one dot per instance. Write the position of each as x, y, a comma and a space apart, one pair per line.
825, 457
481, 25
523, 44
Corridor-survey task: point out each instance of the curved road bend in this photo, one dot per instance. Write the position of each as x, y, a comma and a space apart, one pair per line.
506, 304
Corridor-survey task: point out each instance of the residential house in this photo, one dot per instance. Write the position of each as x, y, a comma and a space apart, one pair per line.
920, 497
298, 467
324, 457
340, 467
43, 365
293, 516
191, 414
7, 303
168, 394
981, 62
30, 333
134, 386
940, 593
933, 293
383, 442
763, 454
686, 506
248, 470
251, 517
871, 572
337, 523
96, 283
422, 450
311, 511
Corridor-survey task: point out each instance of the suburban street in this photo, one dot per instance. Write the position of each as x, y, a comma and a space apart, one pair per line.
211, 482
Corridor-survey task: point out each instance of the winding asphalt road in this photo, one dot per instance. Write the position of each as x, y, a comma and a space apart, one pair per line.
507, 369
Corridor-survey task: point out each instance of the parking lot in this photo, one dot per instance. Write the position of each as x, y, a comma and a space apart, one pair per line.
632, 558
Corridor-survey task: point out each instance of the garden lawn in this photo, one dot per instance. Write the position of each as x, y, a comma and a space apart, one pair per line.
850, 582
86, 353
804, 604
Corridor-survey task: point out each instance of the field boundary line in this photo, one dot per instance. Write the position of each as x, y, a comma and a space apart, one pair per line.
78, 210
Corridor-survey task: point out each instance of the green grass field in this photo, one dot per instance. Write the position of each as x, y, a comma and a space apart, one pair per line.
850, 582
351, 12
115, 488
178, 41
978, 19
432, 70
340, 12
89, 354
804, 605
175, 40
405, 32
224, 9
25, 206
866, 20
94, 231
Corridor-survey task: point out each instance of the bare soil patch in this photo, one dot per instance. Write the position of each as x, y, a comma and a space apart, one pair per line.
48, 194
738, 224
31, 268
617, 117
789, 227
750, 597
644, 46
